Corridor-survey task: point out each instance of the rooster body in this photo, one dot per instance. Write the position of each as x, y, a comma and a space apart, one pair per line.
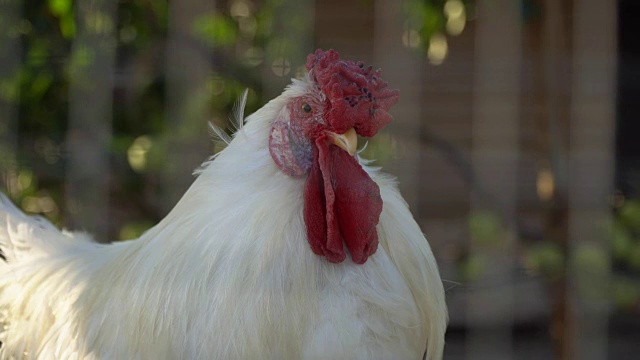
224, 276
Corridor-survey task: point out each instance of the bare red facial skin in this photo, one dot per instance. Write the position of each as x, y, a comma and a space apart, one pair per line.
282, 150
288, 141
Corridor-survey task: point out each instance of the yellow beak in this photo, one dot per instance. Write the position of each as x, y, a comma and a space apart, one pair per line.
347, 141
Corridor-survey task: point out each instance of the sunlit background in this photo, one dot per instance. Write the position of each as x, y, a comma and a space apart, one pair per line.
514, 141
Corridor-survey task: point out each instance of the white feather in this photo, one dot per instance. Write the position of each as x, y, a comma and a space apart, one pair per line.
220, 137
218, 134
237, 118
228, 274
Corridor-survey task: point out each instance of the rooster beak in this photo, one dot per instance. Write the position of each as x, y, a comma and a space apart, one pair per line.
347, 141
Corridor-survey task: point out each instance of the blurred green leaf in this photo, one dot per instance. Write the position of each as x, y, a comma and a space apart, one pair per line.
590, 260
120, 144
26, 180
472, 267
81, 57
40, 84
486, 228
10, 88
60, 7
68, 26
133, 230
626, 292
629, 214
38, 53
633, 258
215, 29
621, 242
63, 10
433, 20
157, 154
591, 266
547, 259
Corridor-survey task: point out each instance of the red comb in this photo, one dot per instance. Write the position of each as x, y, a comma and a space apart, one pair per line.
357, 96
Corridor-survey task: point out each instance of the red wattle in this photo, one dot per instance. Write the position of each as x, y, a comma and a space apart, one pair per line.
342, 205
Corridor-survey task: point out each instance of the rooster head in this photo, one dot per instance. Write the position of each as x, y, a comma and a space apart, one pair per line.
315, 135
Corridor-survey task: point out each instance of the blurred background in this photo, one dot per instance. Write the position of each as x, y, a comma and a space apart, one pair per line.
514, 141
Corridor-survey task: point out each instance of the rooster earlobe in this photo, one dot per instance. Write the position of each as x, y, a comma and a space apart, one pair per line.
282, 147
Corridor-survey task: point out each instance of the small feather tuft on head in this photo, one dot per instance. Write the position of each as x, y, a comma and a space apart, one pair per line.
237, 115
221, 139
219, 135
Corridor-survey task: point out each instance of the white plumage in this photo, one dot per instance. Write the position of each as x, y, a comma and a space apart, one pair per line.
227, 274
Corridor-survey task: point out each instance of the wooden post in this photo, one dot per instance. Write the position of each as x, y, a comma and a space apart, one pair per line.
495, 154
403, 69
556, 54
591, 169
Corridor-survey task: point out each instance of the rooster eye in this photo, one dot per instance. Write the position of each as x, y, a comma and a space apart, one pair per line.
306, 108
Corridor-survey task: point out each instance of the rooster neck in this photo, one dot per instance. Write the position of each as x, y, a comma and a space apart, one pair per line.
239, 200
236, 244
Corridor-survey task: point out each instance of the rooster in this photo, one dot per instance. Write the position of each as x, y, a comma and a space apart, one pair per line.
286, 246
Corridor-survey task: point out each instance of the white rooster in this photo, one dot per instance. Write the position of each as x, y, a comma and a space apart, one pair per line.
286, 246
